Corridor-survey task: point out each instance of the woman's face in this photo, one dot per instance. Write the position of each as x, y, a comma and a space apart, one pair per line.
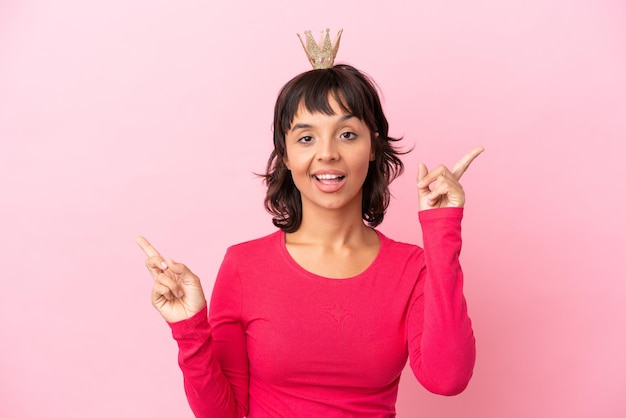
328, 156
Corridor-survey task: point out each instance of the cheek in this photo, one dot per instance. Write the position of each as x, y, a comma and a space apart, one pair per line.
363, 163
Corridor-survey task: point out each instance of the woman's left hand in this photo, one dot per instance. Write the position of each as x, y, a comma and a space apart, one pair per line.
440, 187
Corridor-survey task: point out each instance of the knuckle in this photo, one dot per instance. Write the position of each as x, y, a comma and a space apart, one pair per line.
152, 262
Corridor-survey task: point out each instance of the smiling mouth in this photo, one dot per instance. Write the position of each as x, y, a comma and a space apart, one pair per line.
329, 178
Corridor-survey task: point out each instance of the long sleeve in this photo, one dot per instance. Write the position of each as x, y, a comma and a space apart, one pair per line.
441, 340
213, 358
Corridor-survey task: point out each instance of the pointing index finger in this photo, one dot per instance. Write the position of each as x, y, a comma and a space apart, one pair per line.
147, 247
462, 165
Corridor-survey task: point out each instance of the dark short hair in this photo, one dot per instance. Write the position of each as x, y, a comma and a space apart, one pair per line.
356, 94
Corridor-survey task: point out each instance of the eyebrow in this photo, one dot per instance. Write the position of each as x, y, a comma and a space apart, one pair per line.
307, 126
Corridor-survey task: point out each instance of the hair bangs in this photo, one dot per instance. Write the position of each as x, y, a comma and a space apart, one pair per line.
313, 92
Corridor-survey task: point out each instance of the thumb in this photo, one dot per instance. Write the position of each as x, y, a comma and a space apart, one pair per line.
176, 268
422, 187
186, 276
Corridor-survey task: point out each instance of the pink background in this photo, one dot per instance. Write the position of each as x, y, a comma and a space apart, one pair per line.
136, 117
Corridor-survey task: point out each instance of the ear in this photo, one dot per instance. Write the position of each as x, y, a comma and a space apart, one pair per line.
372, 148
286, 162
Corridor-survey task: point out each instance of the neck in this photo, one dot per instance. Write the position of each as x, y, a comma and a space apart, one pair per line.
332, 228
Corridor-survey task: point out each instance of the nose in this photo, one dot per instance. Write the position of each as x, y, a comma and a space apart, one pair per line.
327, 150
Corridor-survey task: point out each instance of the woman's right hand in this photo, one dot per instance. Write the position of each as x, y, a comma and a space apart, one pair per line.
177, 293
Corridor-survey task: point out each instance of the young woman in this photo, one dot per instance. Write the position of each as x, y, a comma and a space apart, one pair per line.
318, 318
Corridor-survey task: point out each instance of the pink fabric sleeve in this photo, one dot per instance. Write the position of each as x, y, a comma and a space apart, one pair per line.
216, 389
441, 341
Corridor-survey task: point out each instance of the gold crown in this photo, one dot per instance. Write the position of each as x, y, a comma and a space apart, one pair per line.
321, 54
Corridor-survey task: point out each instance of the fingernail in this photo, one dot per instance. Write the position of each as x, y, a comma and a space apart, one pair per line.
420, 184
163, 265
180, 293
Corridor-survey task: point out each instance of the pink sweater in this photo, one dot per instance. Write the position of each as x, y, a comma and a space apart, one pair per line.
283, 342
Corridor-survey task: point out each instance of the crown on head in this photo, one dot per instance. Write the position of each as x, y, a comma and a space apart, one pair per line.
321, 54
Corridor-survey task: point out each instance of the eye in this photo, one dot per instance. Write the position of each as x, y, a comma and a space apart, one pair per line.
305, 139
348, 135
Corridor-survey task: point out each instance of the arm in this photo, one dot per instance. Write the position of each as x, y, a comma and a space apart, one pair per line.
213, 388
441, 340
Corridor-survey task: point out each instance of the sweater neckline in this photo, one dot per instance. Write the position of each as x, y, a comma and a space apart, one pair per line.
298, 268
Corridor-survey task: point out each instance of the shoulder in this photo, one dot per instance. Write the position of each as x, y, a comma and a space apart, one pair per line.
398, 249
257, 242
399, 261
255, 260
258, 247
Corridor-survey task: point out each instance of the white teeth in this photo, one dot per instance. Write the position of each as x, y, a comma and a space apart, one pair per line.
327, 176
